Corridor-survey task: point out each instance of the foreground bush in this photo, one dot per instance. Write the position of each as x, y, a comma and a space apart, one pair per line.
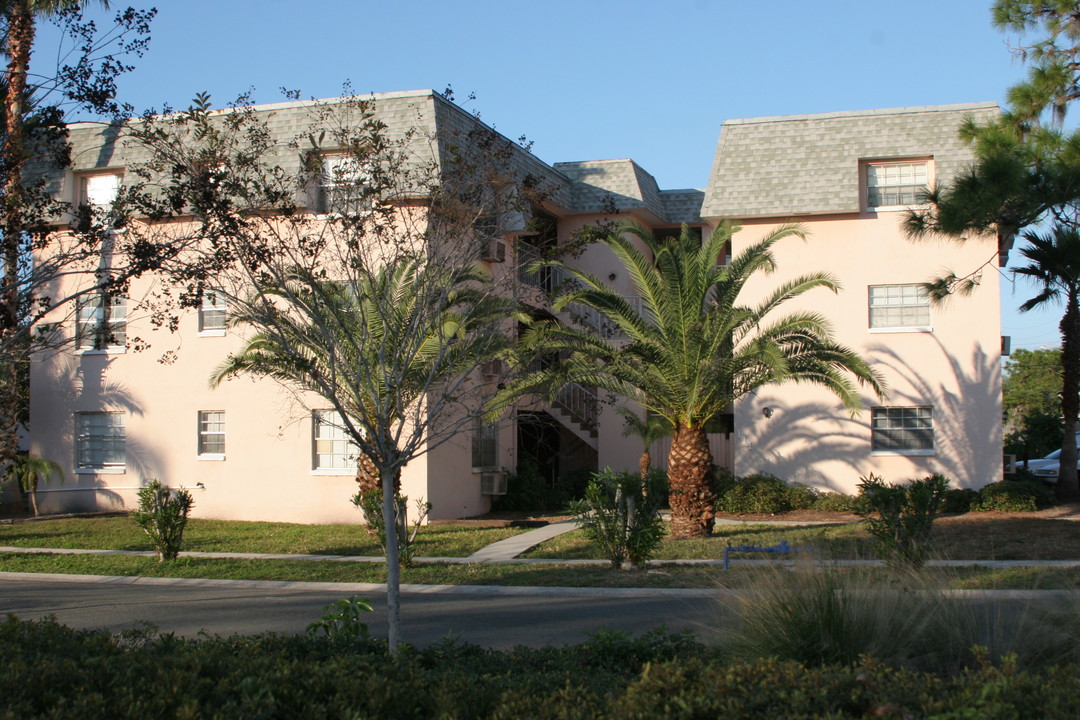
1014, 496
818, 615
54, 672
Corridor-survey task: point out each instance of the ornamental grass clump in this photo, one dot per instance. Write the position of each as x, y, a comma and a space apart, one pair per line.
163, 515
621, 515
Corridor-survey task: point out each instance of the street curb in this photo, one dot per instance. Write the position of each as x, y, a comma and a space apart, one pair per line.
473, 590
410, 589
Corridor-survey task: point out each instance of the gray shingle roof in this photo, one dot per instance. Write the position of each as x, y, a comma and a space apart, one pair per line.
809, 164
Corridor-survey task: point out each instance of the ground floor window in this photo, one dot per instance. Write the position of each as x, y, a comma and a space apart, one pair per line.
99, 441
905, 430
485, 445
332, 447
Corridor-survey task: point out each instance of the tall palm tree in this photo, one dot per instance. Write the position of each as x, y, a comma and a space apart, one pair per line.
1054, 264
390, 350
692, 350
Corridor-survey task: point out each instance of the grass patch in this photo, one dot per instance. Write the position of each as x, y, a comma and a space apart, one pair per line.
976, 536
657, 575
121, 533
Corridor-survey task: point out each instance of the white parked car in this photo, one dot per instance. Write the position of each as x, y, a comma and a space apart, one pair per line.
1046, 469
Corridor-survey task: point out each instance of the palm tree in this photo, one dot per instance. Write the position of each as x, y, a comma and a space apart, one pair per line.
692, 350
390, 350
1054, 264
648, 429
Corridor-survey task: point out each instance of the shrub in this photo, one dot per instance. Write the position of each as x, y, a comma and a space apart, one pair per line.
163, 514
341, 619
801, 497
904, 516
834, 502
758, 494
370, 504
958, 500
528, 490
620, 515
1014, 496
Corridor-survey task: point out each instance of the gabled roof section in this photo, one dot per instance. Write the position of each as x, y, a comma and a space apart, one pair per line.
809, 164
606, 185
431, 122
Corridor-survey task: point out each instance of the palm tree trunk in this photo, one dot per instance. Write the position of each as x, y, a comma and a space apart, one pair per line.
393, 560
645, 463
693, 502
20, 38
1068, 487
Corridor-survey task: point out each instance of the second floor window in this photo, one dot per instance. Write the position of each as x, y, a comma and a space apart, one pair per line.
899, 307
212, 313
101, 321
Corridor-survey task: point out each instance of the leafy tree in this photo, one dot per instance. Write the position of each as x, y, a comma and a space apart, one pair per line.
1054, 264
34, 147
374, 306
1026, 173
1052, 81
692, 349
1031, 399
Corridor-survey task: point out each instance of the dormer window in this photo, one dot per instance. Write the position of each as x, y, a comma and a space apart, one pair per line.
99, 191
340, 184
897, 184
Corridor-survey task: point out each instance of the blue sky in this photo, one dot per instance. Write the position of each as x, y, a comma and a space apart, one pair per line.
595, 79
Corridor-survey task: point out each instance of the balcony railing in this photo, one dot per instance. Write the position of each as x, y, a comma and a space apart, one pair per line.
581, 403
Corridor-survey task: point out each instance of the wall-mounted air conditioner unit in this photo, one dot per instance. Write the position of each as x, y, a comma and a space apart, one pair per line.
493, 483
493, 251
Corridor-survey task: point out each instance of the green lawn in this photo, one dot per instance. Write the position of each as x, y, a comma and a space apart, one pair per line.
977, 536
657, 575
121, 533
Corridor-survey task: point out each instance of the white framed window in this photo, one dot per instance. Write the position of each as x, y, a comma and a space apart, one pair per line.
485, 445
340, 184
896, 184
333, 451
902, 430
899, 307
212, 434
101, 322
213, 313
100, 442
99, 190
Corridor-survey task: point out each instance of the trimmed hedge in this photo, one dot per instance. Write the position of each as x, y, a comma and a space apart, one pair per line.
1014, 496
52, 671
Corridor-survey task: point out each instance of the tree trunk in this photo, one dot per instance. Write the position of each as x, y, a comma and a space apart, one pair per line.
20, 38
644, 464
367, 474
1068, 487
393, 560
693, 502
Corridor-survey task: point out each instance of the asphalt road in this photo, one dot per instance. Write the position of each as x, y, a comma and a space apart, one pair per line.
501, 618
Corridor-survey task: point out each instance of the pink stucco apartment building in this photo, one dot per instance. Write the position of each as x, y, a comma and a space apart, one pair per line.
114, 419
